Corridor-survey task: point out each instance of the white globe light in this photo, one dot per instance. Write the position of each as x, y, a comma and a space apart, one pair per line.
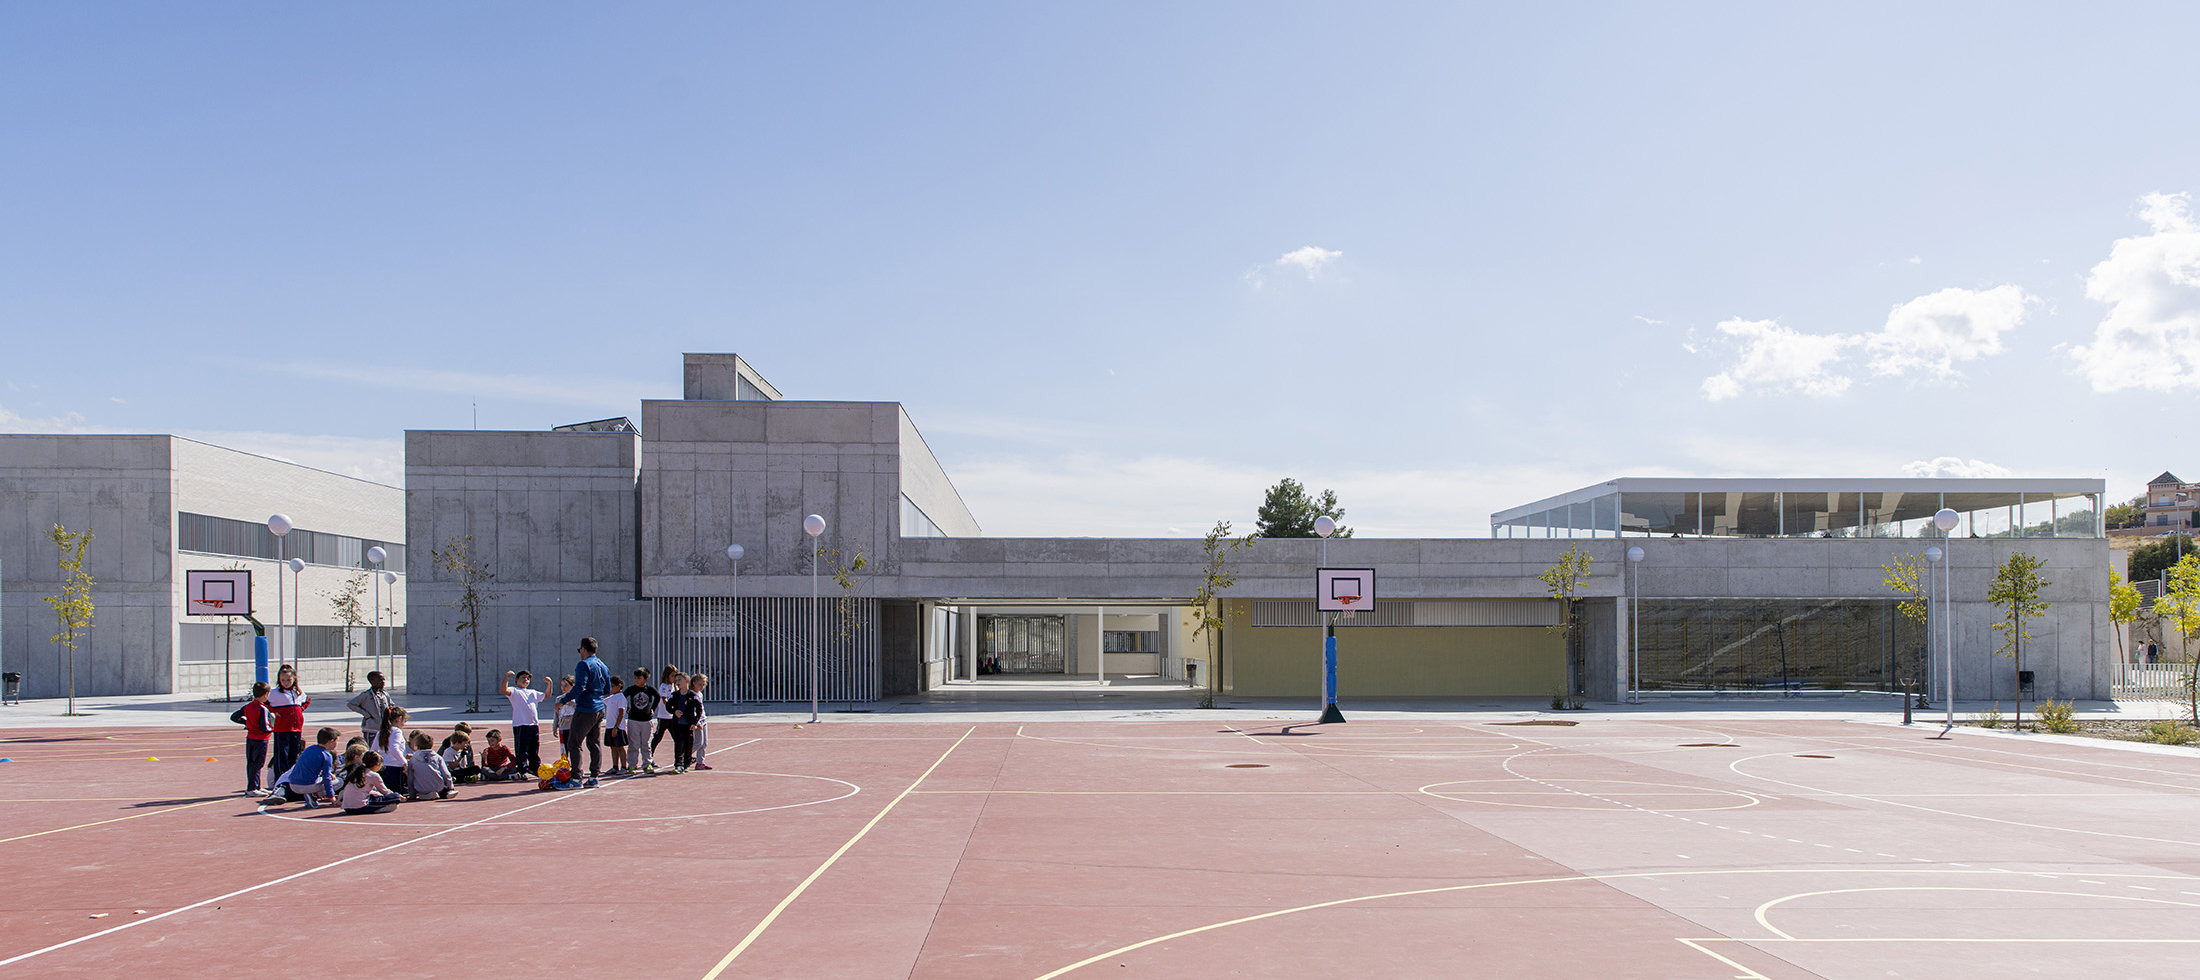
297, 564
1634, 554
279, 525
389, 578
1324, 526
377, 555
813, 525
735, 552
1947, 519
1932, 553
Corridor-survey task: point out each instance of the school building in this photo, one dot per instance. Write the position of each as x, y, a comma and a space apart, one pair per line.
622, 532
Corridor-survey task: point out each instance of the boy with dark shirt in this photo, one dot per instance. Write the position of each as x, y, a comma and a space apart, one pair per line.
641, 707
686, 709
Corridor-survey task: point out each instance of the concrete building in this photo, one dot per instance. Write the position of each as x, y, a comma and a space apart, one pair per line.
1770, 586
158, 506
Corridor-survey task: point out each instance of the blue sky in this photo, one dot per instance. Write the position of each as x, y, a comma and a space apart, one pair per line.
1128, 264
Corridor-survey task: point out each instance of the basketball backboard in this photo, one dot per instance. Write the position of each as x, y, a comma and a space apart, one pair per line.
217, 593
1344, 589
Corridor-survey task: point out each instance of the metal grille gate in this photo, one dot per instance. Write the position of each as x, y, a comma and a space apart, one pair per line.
758, 649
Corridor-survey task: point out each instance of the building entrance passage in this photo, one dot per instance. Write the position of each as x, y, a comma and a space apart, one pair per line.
1021, 645
1778, 646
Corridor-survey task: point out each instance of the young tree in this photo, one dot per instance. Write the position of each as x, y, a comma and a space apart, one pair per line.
1906, 576
2179, 606
1288, 512
1216, 577
2123, 607
349, 604
844, 566
476, 590
2016, 589
1563, 581
72, 608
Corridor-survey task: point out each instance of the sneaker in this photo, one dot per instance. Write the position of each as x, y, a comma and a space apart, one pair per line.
312, 804
703, 766
446, 794
676, 770
590, 783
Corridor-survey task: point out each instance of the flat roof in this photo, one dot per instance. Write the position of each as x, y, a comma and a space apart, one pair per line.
1790, 484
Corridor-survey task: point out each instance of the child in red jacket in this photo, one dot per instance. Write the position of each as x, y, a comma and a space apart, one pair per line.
259, 723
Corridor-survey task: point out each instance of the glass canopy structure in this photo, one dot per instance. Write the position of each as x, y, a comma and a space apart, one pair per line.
1810, 508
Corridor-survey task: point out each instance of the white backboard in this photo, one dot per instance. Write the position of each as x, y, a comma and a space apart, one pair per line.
1344, 589
217, 593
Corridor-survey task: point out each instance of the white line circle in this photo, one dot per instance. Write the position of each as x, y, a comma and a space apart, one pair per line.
853, 789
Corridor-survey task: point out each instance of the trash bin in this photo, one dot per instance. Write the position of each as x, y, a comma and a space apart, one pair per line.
11, 687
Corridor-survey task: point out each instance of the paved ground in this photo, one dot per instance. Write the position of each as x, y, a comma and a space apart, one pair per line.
1769, 846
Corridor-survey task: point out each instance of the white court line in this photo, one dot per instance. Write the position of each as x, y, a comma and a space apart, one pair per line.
269, 884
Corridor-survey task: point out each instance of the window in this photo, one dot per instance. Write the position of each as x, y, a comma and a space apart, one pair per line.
915, 523
246, 539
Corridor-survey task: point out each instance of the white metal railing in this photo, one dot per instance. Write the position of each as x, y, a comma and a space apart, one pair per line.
2150, 682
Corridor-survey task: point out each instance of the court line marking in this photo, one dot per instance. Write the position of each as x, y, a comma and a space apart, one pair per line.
1903, 745
1681, 873
134, 923
134, 816
1765, 920
1952, 813
773, 915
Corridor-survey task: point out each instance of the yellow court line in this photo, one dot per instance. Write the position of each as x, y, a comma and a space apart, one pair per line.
773, 916
1764, 918
1158, 792
133, 816
1745, 974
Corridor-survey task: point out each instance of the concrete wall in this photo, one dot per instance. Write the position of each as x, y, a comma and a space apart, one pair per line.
553, 515
122, 488
720, 472
226, 483
928, 487
1396, 661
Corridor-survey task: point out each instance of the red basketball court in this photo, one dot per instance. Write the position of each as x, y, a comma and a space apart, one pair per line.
1769, 849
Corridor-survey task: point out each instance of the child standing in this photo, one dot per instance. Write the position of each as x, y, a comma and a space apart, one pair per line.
498, 762
614, 728
363, 790
259, 725
699, 682
290, 704
641, 709
565, 718
684, 707
526, 727
425, 772
664, 707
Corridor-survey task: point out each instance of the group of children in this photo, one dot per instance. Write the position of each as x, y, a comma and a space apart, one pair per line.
673, 706
384, 765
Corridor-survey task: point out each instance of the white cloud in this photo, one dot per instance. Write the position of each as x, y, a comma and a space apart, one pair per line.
1308, 261
1954, 466
1934, 331
1779, 359
72, 422
2151, 285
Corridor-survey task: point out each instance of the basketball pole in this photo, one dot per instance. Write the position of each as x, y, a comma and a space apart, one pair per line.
1325, 526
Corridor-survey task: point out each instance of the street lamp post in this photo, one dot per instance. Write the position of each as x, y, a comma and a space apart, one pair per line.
733, 554
297, 604
1634, 624
377, 555
389, 596
278, 525
813, 526
1946, 520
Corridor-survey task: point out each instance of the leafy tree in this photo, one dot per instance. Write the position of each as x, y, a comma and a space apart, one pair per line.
350, 607
1216, 577
1289, 513
2123, 607
476, 590
1906, 576
2148, 561
2179, 606
2130, 513
72, 608
2016, 589
1563, 581
844, 566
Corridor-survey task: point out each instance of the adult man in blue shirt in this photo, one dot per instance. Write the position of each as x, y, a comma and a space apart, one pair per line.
591, 681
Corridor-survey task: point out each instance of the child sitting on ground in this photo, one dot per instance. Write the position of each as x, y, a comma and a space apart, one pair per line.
364, 792
425, 773
315, 773
392, 746
458, 757
498, 762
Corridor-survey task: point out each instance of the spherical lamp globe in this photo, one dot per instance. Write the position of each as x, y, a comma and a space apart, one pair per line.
734, 552
1634, 554
279, 525
297, 564
377, 555
1325, 526
1933, 553
813, 525
1947, 519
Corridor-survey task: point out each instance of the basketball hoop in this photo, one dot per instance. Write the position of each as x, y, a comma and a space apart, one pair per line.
214, 603
1347, 601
